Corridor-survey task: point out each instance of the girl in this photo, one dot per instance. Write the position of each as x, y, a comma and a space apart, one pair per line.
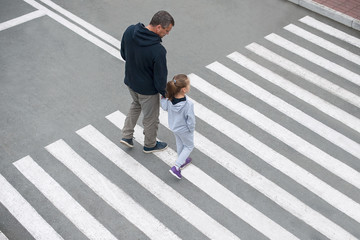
181, 120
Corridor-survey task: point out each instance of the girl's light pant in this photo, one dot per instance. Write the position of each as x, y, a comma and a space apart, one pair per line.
184, 146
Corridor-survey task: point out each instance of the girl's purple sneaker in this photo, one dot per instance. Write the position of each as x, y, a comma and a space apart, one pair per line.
176, 173
187, 162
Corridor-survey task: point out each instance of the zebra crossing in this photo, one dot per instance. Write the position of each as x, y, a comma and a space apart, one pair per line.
3, 237
344, 207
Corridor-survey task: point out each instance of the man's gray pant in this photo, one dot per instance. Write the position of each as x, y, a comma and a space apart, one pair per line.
149, 105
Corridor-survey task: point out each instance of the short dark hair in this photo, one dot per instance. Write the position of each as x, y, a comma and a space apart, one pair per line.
162, 18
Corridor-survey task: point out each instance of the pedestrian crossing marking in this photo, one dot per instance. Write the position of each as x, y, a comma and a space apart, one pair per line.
2, 236
211, 187
140, 217
111, 193
190, 212
284, 107
297, 143
314, 58
323, 43
305, 74
256, 180
295, 90
25, 213
278, 161
62, 200
312, 22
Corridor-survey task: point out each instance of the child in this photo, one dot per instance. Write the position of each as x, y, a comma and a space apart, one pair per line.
181, 120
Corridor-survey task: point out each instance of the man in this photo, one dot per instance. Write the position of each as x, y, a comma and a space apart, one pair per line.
146, 77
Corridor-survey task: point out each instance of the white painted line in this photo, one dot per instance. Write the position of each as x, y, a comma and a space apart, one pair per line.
25, 213
323, 43
2, 236
284, 107
25, 18
234, 165
241, 170
111, 50
312, 22
155, 185
273, 158
297, 143
111, 193
62, 200
210, 186
113, 41
305, 74
314, 58
324, 106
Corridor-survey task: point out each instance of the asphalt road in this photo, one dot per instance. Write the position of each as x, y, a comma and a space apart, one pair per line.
54, 82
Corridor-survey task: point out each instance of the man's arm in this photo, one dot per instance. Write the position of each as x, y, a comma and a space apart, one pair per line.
160, 73
122, 44
122, 48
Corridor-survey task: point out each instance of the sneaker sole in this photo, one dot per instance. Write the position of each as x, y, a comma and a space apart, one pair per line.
155, 150
126, 144
174, 174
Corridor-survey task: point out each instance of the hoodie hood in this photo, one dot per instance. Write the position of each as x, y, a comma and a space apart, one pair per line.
181, 117
144, 37
178, 106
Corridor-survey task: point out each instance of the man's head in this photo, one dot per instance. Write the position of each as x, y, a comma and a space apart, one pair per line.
161, 23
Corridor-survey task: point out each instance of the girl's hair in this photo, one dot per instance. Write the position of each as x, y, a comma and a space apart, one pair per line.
174, 87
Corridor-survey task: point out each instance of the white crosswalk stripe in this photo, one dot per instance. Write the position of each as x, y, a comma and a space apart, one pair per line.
112, 194
342, 205
2, 236
291, 139
323, 43
214, 189
312, 57
25, 213
330, 30
160, 189
286, 166
305, 74
62, 200
301, 93
306, 120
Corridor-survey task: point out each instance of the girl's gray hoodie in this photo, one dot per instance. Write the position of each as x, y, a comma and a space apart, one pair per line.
181, 116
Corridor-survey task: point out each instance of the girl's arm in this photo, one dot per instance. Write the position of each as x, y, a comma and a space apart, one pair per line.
163, 103
190, 120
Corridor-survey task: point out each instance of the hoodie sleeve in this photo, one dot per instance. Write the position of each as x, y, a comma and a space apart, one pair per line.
164, 103
160, 72
122, 47
190, 118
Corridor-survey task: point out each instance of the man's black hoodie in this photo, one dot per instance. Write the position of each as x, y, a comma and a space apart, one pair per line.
145, 56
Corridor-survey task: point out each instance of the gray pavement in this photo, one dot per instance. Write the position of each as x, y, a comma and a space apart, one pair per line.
55, 82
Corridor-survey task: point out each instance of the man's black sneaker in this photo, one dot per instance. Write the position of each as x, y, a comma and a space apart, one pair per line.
158, 147
127, 142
